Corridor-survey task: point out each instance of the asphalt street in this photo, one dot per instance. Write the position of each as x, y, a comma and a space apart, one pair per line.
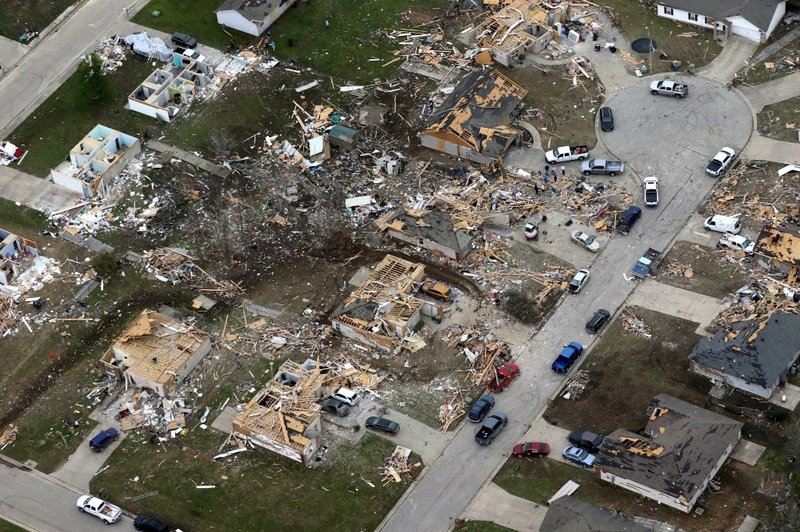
655, 135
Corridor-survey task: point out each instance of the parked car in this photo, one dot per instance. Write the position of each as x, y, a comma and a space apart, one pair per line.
586, 440
382, 424
190, 54
492, 426
578, 281
106, 512
647, 263
606, 119
723, 224
480, 408
505, 374
721, 162
531, 449
602, 167
183, 39
628, 218
598, 321
651, 191
335, 407
531, 231
346, 395
103, 439
737, 242
149, 524
669, 87
578, 456
587, 241
563, 154
436, 290
567, 357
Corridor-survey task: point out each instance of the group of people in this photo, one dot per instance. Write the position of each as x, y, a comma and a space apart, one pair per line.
550, 172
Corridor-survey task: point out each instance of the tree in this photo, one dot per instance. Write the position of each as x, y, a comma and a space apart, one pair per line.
94, 84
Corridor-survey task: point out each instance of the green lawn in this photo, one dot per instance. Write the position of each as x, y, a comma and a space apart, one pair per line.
5, 526
256, 491
480, 526
17, 15
773, 120
19, 219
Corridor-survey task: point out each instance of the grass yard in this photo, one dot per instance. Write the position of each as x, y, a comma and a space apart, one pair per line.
21, 220
635, 20
17, 15
781, 121
657, 365
712, 274
5, 526
479, 526
67, 115
255, 491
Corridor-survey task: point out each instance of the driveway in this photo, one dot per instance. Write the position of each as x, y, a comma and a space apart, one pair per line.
84, 463
764, 149
773, 91
734, 56
555, 239
678, 136
500, 507
677, 302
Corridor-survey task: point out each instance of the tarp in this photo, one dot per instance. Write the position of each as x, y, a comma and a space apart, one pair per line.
151, 47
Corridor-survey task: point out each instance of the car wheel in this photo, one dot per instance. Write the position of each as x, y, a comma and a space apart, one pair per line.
584, 157
678, 96
612, 174
81, 510
654, 93
586, 173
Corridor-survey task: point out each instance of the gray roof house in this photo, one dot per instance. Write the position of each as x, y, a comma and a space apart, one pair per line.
430, 229
568, 514
251, 16
754, 20
753, 356
683, 449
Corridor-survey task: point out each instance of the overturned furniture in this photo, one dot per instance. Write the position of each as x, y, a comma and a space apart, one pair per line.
156, 352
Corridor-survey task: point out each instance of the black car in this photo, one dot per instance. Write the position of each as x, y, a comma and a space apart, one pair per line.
149, 524
628, 218
492, 426
598, 321
585, 440
336, 407
480, 408
182, 39
606, 119
383, 424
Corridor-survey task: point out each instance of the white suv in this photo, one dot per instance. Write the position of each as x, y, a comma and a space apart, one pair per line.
346, 395
737, 243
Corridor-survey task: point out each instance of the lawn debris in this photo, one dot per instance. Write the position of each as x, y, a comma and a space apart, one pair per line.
576, 385
8, 436
634, 324
451, 410
397, 465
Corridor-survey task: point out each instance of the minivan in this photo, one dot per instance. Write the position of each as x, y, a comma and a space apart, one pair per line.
606, 119
628, 218
723, 224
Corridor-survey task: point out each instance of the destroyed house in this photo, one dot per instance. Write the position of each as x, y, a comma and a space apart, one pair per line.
13, 251
518, 28
156, 352
167, 90
95, 161
684, 448
251, 16
780, 247
474, 121
568, 514
432, 229
381, 311
753, 356
755, 20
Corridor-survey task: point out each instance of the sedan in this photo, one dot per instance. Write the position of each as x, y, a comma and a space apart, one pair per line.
721, 162
578, 456
737, 243
531, 449
578, 281
567, 357
505, 374
382, 424
598, 321
586, 241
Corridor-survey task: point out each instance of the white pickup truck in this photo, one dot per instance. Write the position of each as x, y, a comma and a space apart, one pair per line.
106, 512
668, 87
567, 153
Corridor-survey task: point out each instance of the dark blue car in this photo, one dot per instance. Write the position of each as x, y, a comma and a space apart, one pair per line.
102, 440
480, 408
567, 357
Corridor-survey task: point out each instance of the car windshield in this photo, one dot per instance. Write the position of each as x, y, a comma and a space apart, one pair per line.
746, 243
587, 239
714, 165
581, 454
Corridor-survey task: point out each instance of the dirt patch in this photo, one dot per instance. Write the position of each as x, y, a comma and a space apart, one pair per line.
419, 15
712, 274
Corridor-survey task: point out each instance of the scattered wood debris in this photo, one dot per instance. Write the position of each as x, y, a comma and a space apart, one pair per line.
397, 465
634, 324
576, 385
9, 436
452, 410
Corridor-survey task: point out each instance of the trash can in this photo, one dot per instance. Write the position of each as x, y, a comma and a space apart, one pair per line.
597, 47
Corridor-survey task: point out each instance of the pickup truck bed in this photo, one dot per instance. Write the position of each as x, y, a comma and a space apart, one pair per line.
646, 263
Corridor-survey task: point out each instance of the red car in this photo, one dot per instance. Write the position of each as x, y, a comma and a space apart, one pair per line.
534, 448
505, 375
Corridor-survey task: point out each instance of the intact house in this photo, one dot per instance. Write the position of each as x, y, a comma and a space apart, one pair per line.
381, 312
251, 16
156, 352
164, 93
683, 449
780, 248
284, 417
518, 28
568, 514
434, 230
15, 252
96, 161
753, 356
474, 121
755, 20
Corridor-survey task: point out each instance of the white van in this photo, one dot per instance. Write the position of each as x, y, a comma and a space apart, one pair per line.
723, 224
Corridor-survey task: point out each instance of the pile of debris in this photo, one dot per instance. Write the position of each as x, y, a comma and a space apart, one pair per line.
451, 410
757, 301
169, 265
576, 385
8, 317
397, 465
112, 52
634, 324
427, 53
9, 436
482, 349
677, 269
140, 409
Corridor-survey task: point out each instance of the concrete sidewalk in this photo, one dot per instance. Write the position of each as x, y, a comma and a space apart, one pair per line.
500, 507
764, 149
677, 302
773, 91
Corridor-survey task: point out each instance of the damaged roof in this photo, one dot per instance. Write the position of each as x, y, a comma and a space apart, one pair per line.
479, 110
567, 514
250, 9
512, 26
435, 225
757, 12
780, 243
758, 351
684, 445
